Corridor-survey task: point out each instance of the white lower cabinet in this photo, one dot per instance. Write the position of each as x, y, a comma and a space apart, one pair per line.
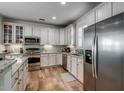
15, 87
59, 59
52, 59
69, 63
26, 78
44, 60
20, 78
20, 83
74, 66
80, 69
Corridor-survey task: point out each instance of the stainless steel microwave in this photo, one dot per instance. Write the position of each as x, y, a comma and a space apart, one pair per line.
32, 40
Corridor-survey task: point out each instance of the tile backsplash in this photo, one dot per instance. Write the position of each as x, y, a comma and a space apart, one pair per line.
2, 48
14, 48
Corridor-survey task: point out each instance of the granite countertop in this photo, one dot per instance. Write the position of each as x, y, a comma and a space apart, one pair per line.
19, 62
72, 54
4, 64
15, 62
50, 52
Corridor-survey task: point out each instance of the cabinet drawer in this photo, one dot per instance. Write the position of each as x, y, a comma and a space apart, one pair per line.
15, 78
15, 86
21, 69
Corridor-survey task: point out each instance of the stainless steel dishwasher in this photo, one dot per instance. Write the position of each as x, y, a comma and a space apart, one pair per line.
64, 61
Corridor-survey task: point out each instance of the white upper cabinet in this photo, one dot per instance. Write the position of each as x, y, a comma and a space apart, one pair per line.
36, 30
18, 33
56, 36
103, 11
89, 18
70, 34
44, 35
51, 36
62, 37
79, 36
13, 33
66, 36
28, 30
1, 30
8, 32
118, 7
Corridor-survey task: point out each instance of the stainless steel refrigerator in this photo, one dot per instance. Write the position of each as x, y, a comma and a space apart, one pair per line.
104, 55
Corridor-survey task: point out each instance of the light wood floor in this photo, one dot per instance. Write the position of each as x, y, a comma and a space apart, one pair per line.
49, 79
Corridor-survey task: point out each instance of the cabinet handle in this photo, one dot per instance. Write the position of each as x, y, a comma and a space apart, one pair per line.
18, 83
20, 80
16, 78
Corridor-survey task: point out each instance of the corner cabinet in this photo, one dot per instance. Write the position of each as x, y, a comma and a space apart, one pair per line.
13, 33
118, 7
103, 11
70, 34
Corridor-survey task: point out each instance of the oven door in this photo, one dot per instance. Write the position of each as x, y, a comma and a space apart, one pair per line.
33, 63
33, 60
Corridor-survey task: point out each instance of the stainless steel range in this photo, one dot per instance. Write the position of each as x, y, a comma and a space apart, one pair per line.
33, 54
33, 60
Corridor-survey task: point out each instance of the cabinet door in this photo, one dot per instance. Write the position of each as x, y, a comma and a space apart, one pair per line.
66, 36
72, 34
118, 7
51, 36
59, 59
25, 78
56, 36
79, 43
28, 30
80, 70
1, 33
74, 66
62, 37
19, 33
52, 59
36, 30
69, 62
44, 60
20, 83
44, 35
90, 18
8, 31
15, 87
7, 80
103, 11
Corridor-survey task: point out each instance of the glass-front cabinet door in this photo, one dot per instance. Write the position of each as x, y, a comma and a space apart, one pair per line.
19, 34
13, 33
8, 33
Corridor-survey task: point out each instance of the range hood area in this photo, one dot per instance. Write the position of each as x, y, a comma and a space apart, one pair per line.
62, 46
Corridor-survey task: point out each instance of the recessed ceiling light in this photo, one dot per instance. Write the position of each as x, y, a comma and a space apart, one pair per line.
63, 3
54, 18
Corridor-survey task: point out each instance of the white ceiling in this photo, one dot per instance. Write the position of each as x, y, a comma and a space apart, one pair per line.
32, 11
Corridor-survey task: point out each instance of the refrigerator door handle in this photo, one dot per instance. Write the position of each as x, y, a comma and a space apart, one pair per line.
95, 56
93, 73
